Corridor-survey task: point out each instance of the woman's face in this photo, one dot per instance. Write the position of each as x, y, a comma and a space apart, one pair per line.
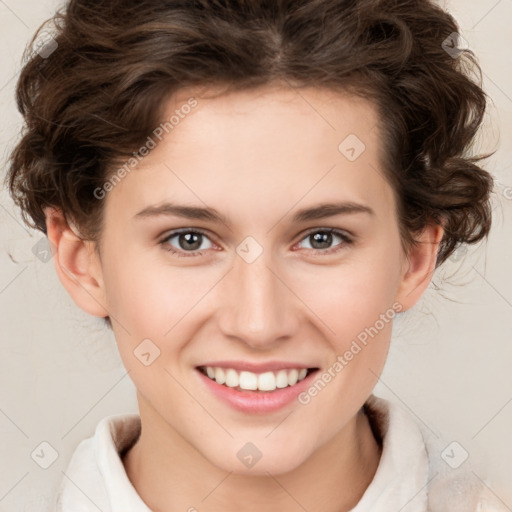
255, 286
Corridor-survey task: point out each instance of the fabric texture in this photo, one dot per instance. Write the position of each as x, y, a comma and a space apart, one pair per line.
411, 475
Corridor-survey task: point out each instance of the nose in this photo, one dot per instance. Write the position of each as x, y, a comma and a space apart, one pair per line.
259, 306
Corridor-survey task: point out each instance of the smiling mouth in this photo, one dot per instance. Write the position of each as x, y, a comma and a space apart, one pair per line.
256, 382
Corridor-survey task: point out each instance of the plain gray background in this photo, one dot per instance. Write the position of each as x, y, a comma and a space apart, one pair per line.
450, 359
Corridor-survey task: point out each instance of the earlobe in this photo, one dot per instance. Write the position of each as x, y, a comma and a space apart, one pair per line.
419, 266
77, 264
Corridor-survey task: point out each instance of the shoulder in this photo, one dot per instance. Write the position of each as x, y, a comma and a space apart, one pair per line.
454, 485
95, 476
451, 484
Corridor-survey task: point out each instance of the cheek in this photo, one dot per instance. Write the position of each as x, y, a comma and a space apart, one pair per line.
149, 300
349, 298
356, 310
355, 306
147, 296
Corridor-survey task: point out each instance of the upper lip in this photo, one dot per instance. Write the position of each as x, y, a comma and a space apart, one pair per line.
270, 366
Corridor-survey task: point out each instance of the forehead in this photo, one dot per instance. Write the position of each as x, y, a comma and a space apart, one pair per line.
258, 145
323, 110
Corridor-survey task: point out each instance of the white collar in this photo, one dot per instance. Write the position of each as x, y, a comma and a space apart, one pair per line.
400, 482
96, 478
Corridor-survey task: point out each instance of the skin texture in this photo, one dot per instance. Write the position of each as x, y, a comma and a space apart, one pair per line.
257, 158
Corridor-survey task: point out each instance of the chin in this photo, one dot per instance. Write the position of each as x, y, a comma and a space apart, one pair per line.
248, 461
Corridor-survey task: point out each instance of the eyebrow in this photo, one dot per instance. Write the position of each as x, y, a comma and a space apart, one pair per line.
320, 211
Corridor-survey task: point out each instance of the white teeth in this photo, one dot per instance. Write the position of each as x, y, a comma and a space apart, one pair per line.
293, 375
232, 378
248, 380
267, 381
282, 379
220, 376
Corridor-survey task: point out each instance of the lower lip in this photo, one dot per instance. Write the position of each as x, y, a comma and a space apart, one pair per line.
256, 401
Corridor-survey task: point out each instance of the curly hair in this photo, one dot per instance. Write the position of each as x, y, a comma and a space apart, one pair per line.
91, 102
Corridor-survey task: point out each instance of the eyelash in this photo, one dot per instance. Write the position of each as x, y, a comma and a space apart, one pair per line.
186, 254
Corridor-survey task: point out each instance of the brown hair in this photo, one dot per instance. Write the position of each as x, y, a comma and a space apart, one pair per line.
91, 102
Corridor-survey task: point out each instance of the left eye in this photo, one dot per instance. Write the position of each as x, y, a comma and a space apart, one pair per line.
188, 241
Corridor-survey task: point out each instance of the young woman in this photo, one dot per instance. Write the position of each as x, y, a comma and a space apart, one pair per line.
249, 192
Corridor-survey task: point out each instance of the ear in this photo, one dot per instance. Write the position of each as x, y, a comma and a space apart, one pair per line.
77, 264
419, 266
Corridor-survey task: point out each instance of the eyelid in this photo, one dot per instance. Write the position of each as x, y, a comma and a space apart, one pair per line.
336, 231
346, 236
178, 231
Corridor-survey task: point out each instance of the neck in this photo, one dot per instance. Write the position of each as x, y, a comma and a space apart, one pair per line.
169, 474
